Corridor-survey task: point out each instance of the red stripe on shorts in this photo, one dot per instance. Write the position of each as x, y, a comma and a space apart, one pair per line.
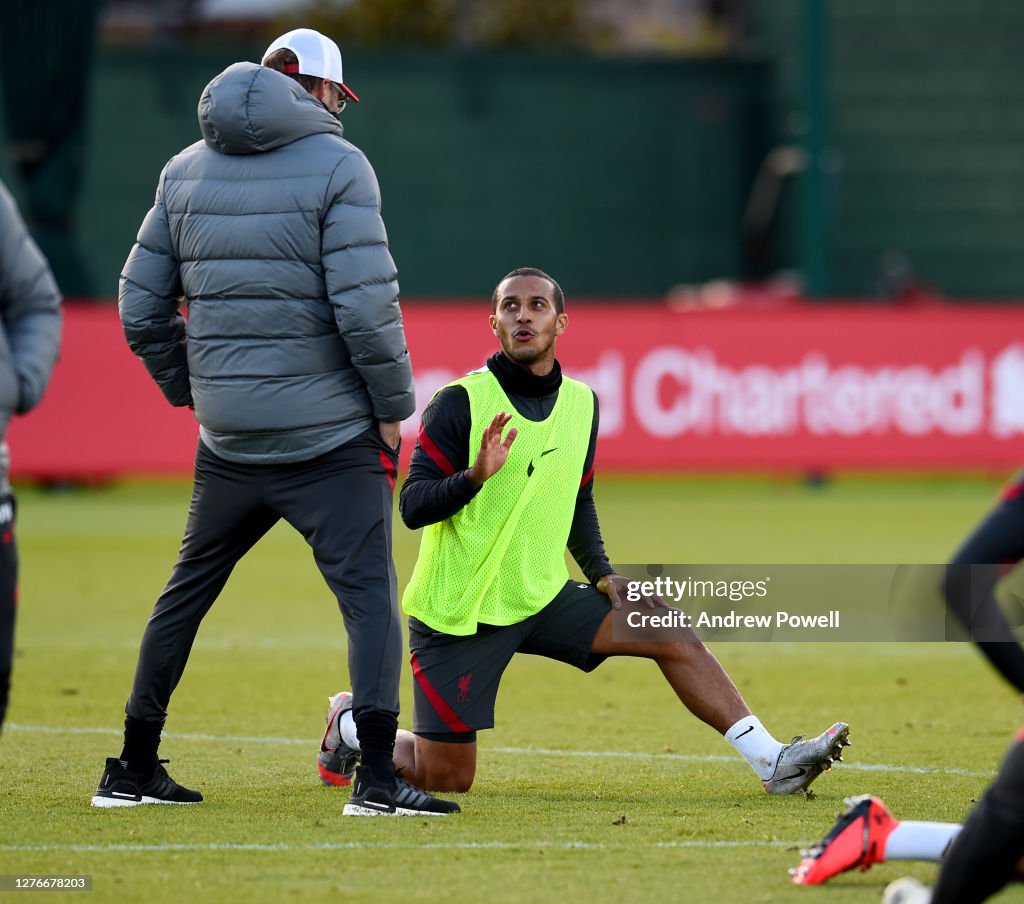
435, 699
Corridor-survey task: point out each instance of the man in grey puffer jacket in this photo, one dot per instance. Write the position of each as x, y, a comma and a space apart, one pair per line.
30, 321
295, 361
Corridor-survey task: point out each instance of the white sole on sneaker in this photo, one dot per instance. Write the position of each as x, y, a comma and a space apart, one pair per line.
111, 802
358, 810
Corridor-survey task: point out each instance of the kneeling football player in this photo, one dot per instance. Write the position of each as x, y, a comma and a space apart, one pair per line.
502, 481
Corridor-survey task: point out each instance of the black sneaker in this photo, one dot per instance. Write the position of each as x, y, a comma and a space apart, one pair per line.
120, 787
371, 797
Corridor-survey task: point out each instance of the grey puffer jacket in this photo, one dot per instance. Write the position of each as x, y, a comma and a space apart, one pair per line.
31, 318
270, 228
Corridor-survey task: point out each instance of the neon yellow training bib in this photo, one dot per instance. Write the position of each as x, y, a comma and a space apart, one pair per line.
501, 558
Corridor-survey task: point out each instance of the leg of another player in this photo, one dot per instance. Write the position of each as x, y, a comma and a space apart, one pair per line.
971, 579
866, 834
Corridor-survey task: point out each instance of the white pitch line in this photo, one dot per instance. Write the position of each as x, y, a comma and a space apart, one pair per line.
513, 751
709, 758
225, 739
375, 845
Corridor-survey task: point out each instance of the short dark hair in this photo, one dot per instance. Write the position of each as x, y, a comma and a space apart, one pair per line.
284, 57
559, 297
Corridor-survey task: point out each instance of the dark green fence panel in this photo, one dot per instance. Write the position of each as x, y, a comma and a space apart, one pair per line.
620, 177
927, 112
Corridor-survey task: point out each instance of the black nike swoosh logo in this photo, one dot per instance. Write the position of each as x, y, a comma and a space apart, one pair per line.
742, 733
799, 772
530, 468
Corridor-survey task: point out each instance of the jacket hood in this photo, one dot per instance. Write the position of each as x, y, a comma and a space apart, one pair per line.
248, 109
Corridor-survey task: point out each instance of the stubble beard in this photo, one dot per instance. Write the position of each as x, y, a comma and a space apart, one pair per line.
527, 356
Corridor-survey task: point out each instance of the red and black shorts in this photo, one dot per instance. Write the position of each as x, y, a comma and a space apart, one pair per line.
456, 678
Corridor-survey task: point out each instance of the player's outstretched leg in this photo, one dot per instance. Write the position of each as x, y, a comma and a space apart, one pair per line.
867, 833
706, 690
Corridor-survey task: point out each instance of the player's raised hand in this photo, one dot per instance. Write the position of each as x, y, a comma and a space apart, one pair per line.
493, 450
617, 588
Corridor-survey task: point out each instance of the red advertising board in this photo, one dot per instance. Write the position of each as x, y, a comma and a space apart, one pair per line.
797, 389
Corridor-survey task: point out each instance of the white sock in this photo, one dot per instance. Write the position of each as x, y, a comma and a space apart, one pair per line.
347, 726
753, 742
920, 840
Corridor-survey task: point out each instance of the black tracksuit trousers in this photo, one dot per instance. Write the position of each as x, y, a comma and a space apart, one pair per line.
341, 502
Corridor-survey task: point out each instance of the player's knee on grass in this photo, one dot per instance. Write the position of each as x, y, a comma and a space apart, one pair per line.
448, 777
445, 767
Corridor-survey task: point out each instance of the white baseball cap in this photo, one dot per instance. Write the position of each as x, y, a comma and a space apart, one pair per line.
318, 56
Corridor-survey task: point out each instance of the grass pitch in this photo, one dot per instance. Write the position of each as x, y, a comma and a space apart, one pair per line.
591, 788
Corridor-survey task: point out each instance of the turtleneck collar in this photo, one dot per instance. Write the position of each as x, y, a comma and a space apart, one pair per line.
518, 380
